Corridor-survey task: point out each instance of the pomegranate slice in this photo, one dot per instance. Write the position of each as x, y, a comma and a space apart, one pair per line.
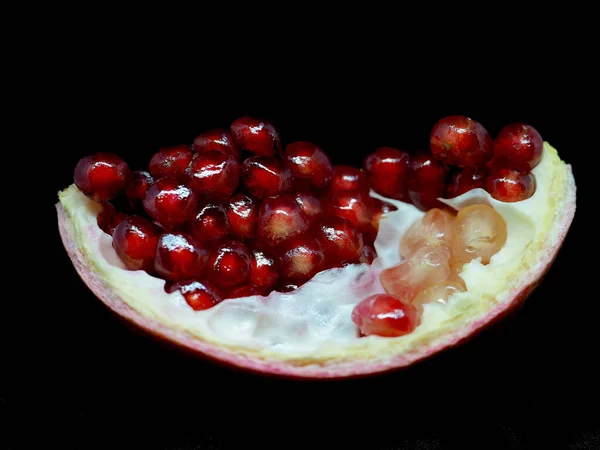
384, 315
102, 176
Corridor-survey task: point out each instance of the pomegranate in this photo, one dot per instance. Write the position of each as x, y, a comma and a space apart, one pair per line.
291, 266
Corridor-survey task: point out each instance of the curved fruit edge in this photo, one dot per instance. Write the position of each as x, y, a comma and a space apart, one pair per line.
341, 369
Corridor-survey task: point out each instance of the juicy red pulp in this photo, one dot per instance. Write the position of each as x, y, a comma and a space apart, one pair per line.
233, 215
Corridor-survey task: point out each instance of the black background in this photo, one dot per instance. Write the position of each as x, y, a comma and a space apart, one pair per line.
85, 379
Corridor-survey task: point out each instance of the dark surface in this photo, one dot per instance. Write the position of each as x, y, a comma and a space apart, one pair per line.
83, 379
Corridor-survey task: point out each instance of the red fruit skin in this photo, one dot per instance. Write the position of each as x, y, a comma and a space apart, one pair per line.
341, 242
265, 176
463, 180
170, 162
354, 206
216, 140
460, 141
387, 172
518, 146
311, 206
102, 176
280, 219
135, 240
198, 294
170, 202
243, 291
348, 178
301, 260
213, 175
179, 257
309, 164
426, 181
137, 189
264, 274
384, 315
242, 213
256, 136
229, 265
508, 185
210, 224
109, 218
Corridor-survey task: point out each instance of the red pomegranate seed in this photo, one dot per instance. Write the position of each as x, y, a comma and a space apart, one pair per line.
463, 180
309, 164
179, 257
311, 206
243, 291
229, 265
265, 176
170, 162
348, 178
508, 185
265, 273
426, 181
354, 206
369, 254
518, 146
139, 185
109, 218
384, 315
135, 240
242, 213
170, 202
210, 224
280, 219
213, 175
379, 209
256, 136
387, 172
198, 294
302, 259
102, 176
461, 141
340, 240
218, 140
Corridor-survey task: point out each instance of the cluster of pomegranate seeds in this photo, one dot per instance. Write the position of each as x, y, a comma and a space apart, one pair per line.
237, 214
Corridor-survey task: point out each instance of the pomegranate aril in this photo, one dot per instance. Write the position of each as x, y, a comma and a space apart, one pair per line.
309, 165
463, 180
102, 176
243, 291
461, 141
518, 146
507, 185
230, 265
435, 228
311, 206
170, 202
346, 178
179, 257
170, 162
265, 176
387, 171
137, 189
369, 254
426, 267
109, 218
256, 136
199, 295
242, 213
280, 219
354, 206
264, 275
380, 208
210, 224
217, 140
213, 175
438, 293
426, 181
302, 259
480, 232
289, 287
135, 240
384, 315
340, 240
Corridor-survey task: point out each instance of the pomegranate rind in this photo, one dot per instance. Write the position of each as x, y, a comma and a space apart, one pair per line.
371, 355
